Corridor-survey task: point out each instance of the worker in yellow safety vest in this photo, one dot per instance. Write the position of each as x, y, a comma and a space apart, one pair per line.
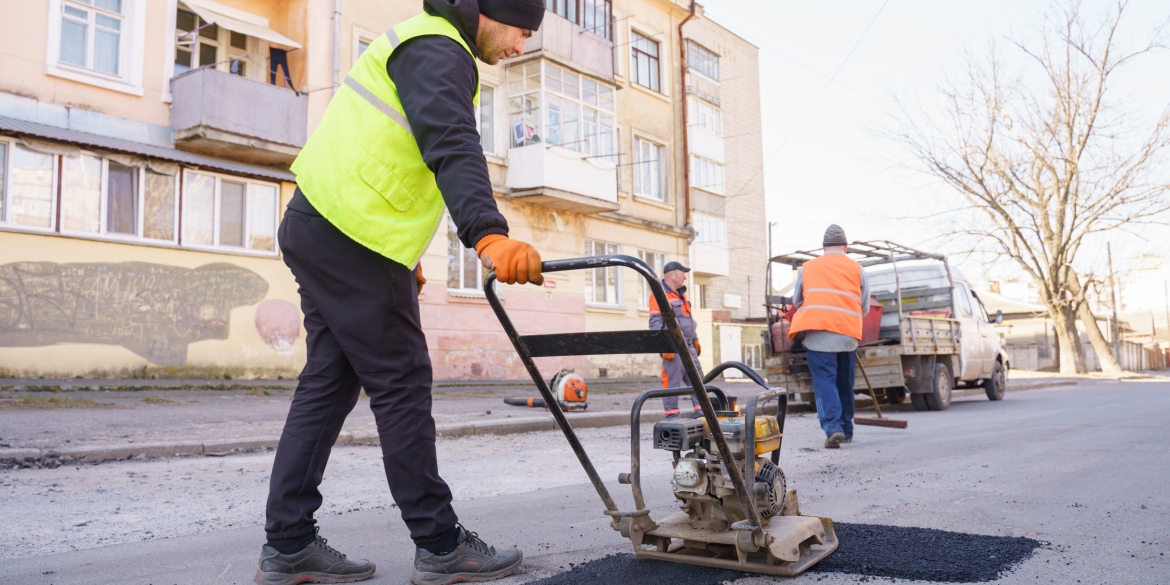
831, 298
397, 144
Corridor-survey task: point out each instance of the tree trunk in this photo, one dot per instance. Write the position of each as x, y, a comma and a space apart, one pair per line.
1105, 357
1072, 361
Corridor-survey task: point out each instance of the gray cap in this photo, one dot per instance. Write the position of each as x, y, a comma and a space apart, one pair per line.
835, 236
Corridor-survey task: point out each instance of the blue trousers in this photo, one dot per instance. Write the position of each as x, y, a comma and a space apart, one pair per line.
832, 382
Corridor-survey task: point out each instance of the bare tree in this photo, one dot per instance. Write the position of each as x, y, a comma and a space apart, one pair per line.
1047, 158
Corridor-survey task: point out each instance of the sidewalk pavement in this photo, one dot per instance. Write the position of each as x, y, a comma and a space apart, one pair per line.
55, 422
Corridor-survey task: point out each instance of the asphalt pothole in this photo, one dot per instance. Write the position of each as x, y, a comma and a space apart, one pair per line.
871, 550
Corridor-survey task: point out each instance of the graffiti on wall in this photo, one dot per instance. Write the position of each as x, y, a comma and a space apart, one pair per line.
153, 310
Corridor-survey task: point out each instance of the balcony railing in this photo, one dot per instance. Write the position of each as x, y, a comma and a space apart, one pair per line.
227, 115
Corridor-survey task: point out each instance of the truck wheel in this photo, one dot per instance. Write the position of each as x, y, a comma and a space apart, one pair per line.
895, 395
919, 402
940, 396
996, 385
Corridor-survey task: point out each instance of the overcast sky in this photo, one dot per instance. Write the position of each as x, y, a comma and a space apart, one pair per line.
825, 159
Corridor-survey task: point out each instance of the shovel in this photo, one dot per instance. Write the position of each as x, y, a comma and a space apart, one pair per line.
880, 421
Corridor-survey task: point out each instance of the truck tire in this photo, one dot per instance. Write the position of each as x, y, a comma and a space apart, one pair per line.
919, 402
940, 396
996, 385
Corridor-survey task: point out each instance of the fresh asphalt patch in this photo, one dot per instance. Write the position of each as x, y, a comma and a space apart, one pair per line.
872, 550
925, 554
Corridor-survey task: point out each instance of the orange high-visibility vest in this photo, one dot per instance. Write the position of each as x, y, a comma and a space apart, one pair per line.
832, 297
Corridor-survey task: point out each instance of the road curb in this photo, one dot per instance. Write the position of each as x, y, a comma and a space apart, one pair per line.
219, 447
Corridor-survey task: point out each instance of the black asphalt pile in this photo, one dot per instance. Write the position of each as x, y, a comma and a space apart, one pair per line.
627, 568
924, 554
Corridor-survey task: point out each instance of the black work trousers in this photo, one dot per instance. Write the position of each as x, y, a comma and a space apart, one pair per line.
362, 322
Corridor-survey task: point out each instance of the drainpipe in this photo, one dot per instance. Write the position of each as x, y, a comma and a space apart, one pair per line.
686, 148
336, 44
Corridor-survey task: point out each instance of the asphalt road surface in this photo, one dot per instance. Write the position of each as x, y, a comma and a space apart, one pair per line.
1083, 473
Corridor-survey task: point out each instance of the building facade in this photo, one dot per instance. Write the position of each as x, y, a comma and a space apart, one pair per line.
144, 152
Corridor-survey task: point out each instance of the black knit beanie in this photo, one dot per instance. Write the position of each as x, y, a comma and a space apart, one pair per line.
525, 14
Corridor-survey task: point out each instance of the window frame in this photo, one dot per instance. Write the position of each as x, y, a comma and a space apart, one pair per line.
544, 96
618, 275
462, 291
54, 188
493, 110
131, 48
701, 166
216, 209
701, 236
704, 51
638, 170
696, 117
104, 203
636, 36
644, 296
577, 17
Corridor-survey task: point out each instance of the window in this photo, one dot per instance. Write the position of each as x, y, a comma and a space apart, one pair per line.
579, 112
91, 34
487, 118
656, 261
648, 175
602, 285
102, 196
202, 44
362, 46
701, 115
703, 296
753, 356
464, 271
964, 300
706, 175
710, 230
702, 60
229, 212
592, 15
643, 60
29, 187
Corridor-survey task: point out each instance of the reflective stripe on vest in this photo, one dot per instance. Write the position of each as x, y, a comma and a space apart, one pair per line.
831, 287
362, 168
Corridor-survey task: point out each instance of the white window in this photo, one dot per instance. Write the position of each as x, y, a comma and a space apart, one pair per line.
98, 42
27, 187
102, 196
644, 61
704, 116
91, 34
487, 118
710, 230
602, 285
656, 261
703, 60
464, 271
578, 111
362, 46
707, 175
228, 212
753, 356
648, 170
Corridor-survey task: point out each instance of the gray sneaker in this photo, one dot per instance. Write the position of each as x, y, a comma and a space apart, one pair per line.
317, 563
834, 441
472, 561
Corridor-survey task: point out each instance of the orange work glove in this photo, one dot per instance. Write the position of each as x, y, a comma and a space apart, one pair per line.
668, 357
698, 348
513, 261
419, 278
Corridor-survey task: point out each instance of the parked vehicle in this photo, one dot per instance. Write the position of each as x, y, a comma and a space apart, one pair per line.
927, 332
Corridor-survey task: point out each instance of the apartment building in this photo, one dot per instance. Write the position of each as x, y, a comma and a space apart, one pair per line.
144, 151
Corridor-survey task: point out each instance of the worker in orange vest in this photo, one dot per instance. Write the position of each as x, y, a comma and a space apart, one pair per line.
831, 297
673, 374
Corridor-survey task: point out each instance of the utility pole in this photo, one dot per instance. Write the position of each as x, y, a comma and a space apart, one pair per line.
1113, 295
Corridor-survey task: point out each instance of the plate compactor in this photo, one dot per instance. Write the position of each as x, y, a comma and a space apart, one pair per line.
736, 509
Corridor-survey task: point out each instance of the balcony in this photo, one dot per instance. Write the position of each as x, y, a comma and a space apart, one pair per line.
561, 179
710, 259
226, 115
702, 87
569, 43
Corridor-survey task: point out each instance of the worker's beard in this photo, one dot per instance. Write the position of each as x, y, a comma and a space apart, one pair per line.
493, 42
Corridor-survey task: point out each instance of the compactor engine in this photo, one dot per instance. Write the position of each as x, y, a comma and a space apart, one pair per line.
701, 480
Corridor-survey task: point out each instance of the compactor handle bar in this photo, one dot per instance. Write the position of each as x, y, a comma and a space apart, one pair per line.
667, 340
